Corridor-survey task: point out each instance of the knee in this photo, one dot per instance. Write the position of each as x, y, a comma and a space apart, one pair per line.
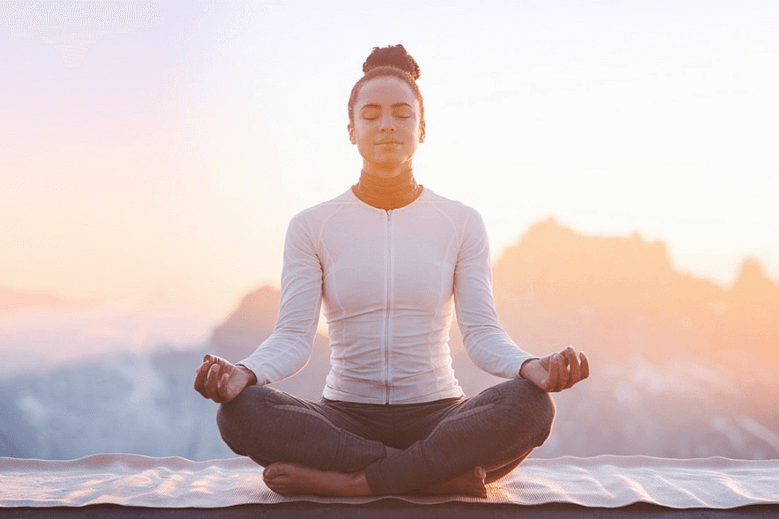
534, 408
226, 417
232, 410
232, 417
544, 415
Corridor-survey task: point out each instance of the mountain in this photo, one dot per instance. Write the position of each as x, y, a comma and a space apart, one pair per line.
674, 372
248, 325
621, 296
251, 323
681, 367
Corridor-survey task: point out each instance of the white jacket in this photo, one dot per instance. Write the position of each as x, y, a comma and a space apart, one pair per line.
389, 281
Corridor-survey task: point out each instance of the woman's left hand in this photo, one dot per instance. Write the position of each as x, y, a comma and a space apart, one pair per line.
557, 371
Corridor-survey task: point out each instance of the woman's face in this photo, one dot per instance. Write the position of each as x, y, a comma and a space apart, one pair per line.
386, 127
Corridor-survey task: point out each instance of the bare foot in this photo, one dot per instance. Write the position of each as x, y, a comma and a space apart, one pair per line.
470, 483
290, 479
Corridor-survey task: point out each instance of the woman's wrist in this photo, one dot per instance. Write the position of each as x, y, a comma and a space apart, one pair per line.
252, 378
522, 367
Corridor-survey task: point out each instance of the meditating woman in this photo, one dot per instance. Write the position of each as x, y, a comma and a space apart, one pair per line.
391, 261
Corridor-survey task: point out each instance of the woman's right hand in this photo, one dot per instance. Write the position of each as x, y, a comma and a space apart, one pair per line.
220, 380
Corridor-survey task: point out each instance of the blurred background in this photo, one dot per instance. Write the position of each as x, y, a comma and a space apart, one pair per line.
621, 153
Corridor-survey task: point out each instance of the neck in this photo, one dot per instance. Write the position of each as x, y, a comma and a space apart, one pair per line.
385, 171
387, 193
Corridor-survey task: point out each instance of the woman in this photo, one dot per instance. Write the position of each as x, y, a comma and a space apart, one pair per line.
390, 260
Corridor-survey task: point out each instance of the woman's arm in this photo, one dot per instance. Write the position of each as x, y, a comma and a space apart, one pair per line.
289, 347
486, 343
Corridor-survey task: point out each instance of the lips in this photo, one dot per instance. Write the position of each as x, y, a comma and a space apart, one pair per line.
387, 142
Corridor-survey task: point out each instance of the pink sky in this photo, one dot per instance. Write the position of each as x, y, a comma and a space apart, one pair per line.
154, 152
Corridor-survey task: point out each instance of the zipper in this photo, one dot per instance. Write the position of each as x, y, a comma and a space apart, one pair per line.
386, 345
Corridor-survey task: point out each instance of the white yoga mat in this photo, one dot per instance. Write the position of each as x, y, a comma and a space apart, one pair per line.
603, 481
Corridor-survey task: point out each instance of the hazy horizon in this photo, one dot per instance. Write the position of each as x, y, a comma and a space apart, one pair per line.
39, 332
154, 152
681, 367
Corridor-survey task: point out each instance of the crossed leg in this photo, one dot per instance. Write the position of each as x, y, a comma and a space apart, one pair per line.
305, 452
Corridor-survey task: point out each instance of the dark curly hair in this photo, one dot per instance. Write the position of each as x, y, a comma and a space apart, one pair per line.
392, 61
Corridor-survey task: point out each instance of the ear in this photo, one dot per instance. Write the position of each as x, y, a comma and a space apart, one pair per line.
422, 132
350, 128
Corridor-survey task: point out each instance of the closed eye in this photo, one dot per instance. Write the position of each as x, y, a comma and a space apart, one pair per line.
402, 113
370, 113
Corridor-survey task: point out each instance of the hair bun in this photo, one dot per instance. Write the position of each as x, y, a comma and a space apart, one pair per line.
392, 56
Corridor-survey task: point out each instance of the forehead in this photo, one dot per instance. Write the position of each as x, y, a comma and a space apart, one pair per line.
386, 90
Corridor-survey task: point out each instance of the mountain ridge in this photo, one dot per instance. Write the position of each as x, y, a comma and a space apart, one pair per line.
629, 286
681, 367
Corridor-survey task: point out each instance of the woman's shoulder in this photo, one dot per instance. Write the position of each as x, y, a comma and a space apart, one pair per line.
453, 208
324, 211
328, 206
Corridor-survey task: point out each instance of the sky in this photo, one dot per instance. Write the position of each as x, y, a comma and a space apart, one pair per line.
153, 152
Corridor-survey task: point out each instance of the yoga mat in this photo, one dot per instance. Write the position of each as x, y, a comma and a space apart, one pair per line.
602, 481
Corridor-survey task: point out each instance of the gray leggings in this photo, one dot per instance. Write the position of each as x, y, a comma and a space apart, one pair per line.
496, 430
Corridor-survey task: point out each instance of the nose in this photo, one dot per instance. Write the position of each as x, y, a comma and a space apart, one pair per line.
387, 123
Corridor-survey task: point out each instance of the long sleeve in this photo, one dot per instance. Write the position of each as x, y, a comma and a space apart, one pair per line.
486, 342
289, 347
385, 280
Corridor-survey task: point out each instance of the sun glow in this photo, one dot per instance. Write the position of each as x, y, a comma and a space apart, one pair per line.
163, 163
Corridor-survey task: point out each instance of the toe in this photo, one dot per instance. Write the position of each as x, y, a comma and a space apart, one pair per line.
271, 472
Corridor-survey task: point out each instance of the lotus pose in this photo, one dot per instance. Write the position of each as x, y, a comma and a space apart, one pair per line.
391, 261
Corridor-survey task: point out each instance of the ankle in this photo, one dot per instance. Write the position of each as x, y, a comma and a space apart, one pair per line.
358, 484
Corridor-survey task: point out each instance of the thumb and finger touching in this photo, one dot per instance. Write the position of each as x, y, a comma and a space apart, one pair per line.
563, 370
213, 379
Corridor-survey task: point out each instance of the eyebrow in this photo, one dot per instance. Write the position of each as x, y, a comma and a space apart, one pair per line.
373, 105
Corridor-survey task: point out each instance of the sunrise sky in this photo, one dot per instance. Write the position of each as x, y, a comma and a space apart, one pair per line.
154, 152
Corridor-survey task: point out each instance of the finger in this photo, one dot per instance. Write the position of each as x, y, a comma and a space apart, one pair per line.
208, 360
200, 383
553, 374
574, 370
207, 381
562, 372
200, 377
568, 354
222, 388
585, 362
211, 359
211, 380
562, 367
